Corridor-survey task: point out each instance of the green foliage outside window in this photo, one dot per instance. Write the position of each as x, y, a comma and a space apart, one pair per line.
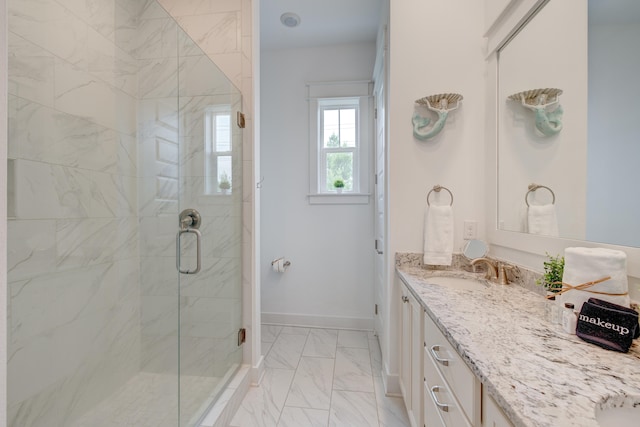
339, 165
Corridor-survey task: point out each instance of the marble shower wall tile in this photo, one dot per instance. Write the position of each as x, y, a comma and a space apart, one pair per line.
213, 32
49, 25
217, 27
50, 246
76, 92
201, 77
84, 160
31, 71
72, 328
98, 15
219, 278
159, 354
157, 78
209, 317
43, 134
51, 191
74, 268
111, 64
158, 117
156, 34
198, 7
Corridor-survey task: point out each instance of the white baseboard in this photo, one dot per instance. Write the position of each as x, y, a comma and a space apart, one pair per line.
257, 372
391, 384
332, 322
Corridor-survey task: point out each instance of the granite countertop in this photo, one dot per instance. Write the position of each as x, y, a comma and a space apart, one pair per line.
537, 374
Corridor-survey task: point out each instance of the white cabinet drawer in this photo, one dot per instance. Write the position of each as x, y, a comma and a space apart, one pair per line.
432, 416
460, 380
441, 401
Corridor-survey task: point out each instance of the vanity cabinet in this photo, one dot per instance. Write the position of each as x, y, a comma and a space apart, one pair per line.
492, 415
438, 388
411, 356
452, 393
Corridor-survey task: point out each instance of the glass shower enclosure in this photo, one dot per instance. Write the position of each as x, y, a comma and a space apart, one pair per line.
120, 313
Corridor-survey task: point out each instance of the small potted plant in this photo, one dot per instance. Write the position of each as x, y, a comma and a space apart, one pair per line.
338, 185
552, 277
224, 184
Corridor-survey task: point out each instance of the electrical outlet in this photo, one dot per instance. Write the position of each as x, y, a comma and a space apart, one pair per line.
470, 230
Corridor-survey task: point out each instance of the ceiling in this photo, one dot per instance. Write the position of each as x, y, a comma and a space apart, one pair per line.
322, 22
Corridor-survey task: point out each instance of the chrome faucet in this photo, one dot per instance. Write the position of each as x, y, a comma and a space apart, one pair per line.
496, 272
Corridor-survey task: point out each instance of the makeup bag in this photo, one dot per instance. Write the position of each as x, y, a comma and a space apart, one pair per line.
607, 325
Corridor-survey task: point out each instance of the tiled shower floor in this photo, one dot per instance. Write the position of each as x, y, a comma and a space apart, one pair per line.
320, 378
150, 400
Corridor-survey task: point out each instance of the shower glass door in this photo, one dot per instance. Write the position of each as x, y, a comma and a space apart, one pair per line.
117, 123
211, 183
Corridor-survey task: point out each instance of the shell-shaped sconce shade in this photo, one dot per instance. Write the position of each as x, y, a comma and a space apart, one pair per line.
442, 101
537, 97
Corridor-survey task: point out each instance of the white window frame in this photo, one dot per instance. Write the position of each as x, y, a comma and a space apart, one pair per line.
324, 96
337, 104
211, 155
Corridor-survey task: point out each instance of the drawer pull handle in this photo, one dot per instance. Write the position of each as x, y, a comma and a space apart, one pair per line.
405, 299
442, 406
440, 360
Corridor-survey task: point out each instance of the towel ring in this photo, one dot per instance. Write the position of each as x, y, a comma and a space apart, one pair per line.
437, 189
534, 187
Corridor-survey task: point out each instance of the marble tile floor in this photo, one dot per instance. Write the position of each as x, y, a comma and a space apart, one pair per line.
320, 378
151, 400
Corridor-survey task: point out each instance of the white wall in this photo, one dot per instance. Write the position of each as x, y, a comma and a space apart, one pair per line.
434, 48
330, 281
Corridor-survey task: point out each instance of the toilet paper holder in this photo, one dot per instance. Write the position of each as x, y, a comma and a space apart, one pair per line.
280, 264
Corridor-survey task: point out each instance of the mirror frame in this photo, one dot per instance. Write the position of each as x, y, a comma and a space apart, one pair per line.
521, 248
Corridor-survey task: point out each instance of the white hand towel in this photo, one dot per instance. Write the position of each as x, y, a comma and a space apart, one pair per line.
582, 265
438, 235
541, 220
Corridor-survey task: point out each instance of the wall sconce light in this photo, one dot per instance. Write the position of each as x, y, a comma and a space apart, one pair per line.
547, 122
441, 104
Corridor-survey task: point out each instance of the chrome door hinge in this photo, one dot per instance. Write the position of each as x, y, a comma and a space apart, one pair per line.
376, 246
242, 336
240, 120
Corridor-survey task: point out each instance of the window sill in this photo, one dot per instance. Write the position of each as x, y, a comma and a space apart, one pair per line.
339, 199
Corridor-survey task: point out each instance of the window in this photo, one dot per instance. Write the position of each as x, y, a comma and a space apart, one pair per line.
339, 137
338, 144
218, 144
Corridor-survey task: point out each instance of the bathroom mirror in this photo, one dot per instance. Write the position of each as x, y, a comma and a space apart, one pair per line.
588, 49
475, 249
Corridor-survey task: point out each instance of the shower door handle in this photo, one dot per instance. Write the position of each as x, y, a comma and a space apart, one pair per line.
198, 250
